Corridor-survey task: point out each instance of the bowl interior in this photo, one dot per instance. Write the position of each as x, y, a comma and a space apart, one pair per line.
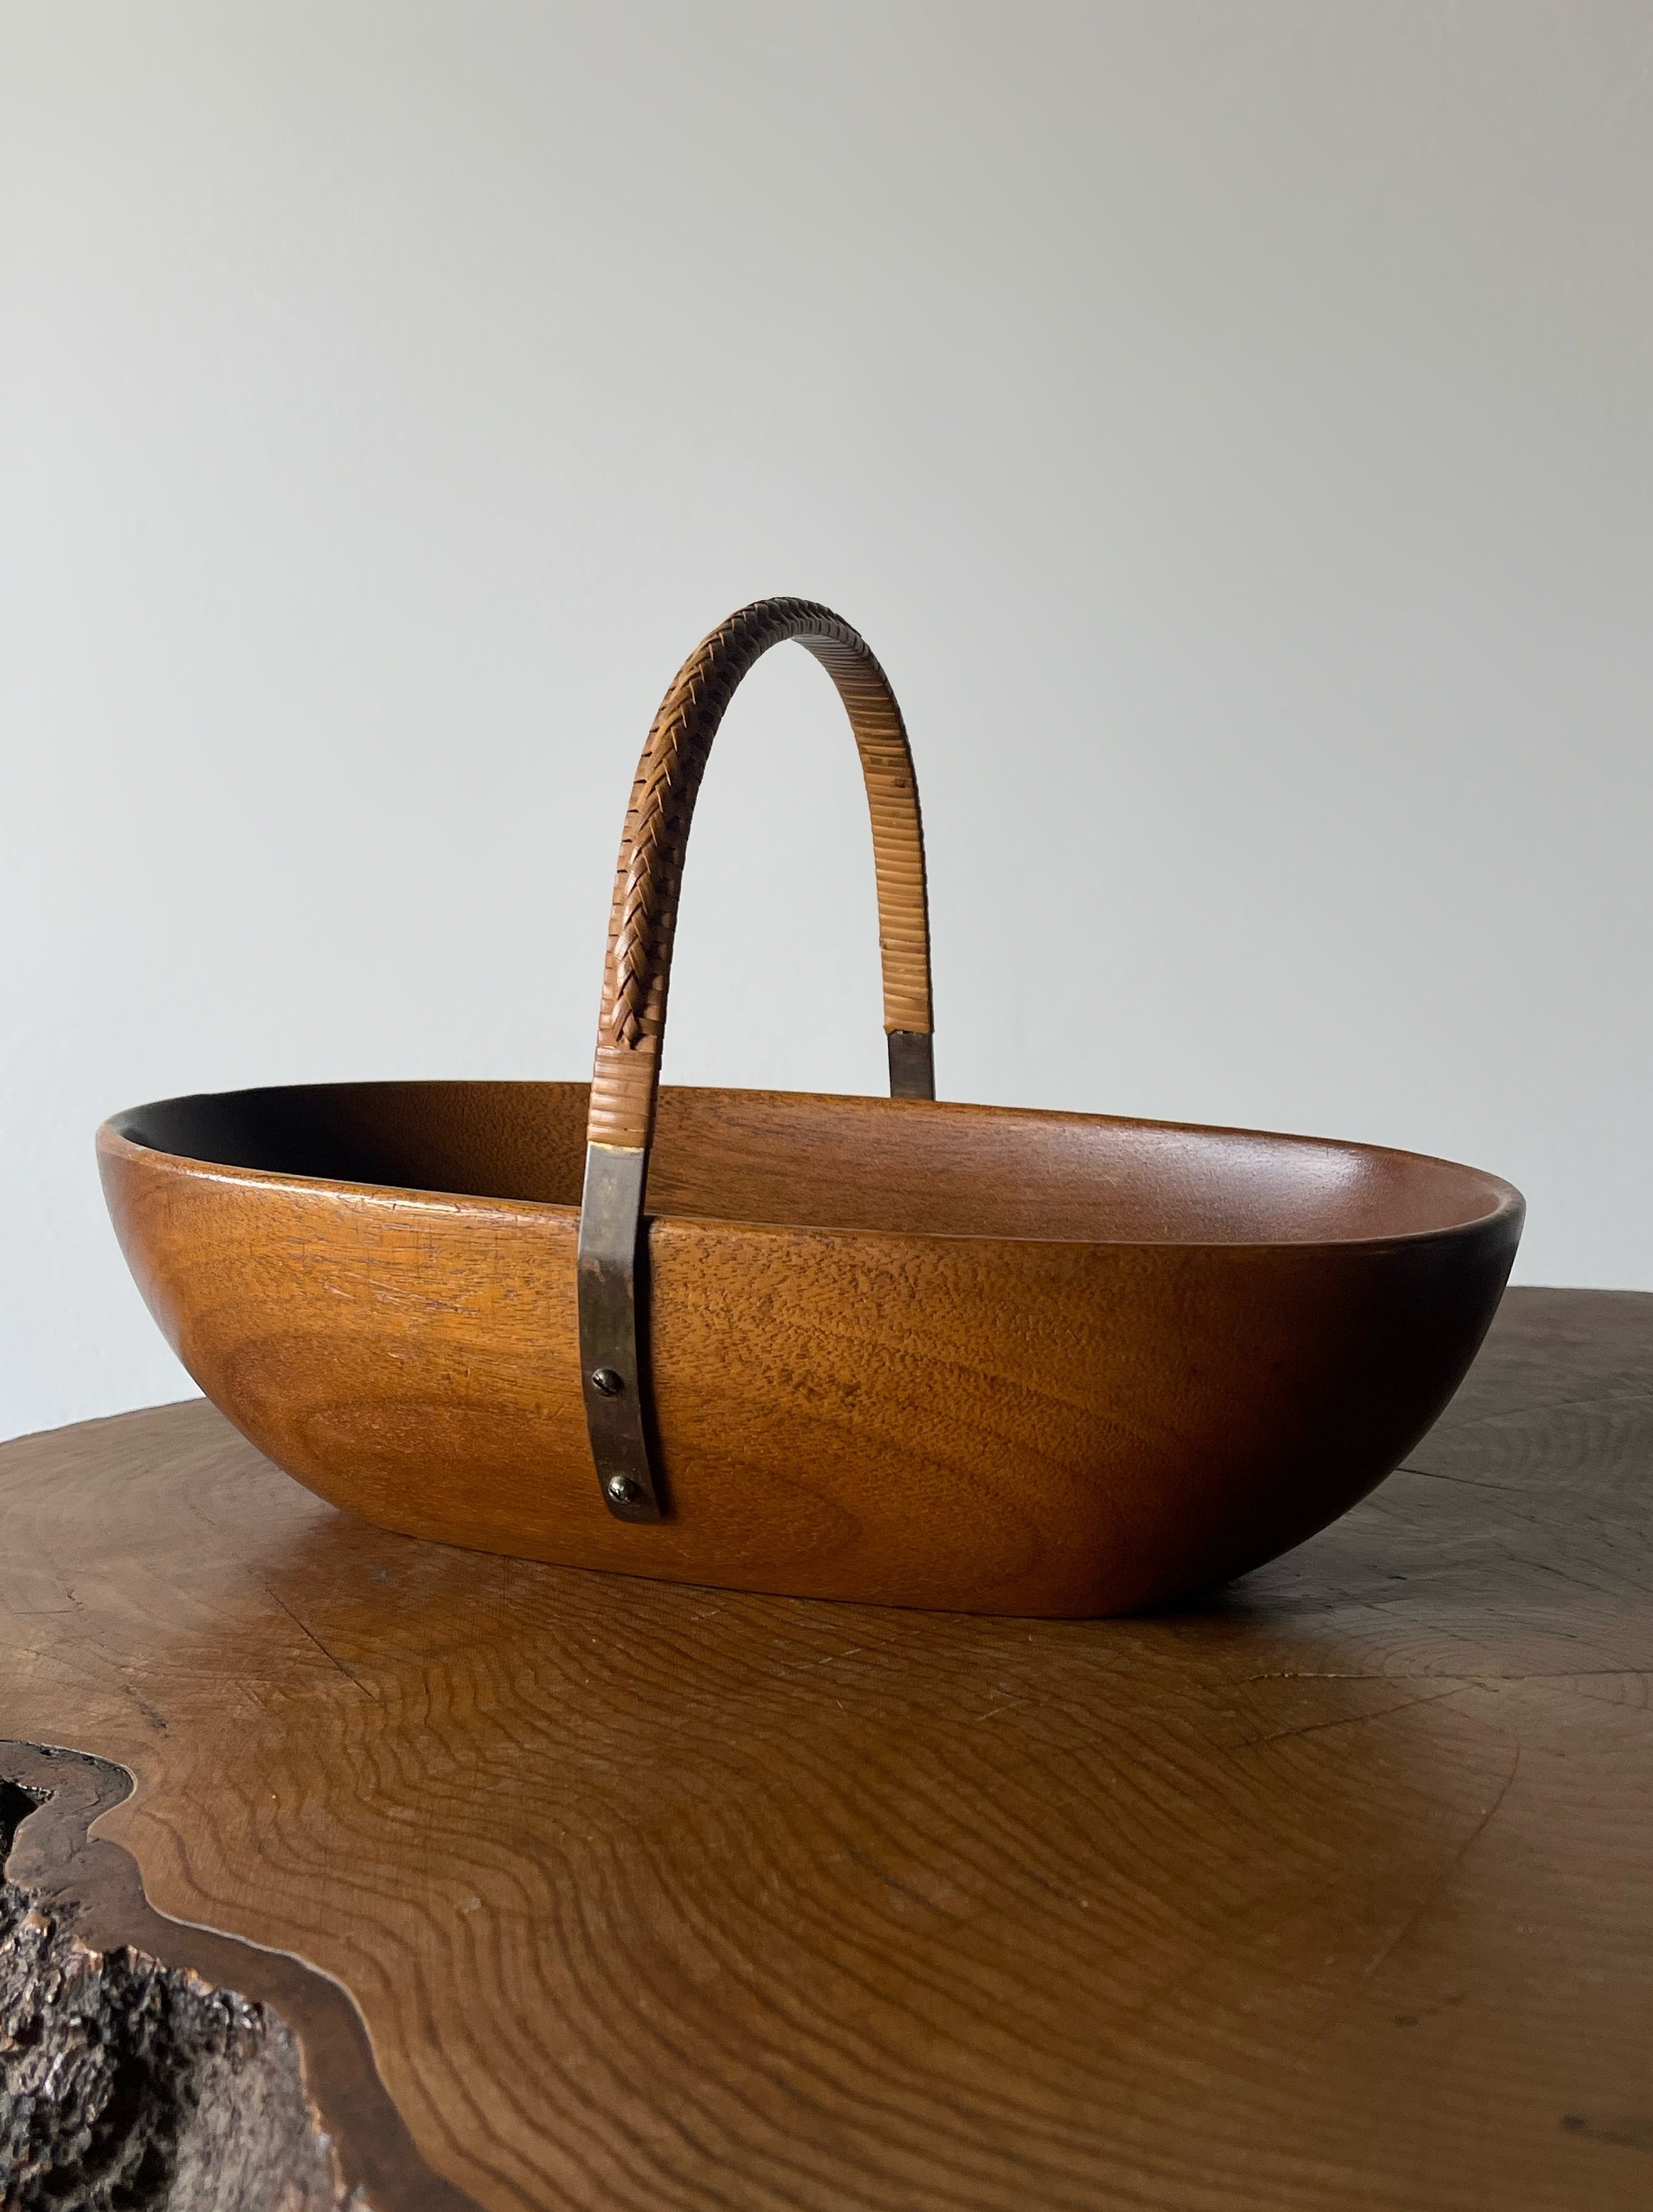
950, 1171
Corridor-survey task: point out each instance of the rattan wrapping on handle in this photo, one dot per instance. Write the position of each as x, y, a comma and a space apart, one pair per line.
626, 1077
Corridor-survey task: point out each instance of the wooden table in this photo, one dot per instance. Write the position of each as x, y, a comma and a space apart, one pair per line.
1334, 1891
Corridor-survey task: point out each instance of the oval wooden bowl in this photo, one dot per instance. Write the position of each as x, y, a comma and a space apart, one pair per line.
926, 1355
841, 1347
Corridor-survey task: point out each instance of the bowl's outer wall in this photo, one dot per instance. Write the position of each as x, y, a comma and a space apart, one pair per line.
990, 1424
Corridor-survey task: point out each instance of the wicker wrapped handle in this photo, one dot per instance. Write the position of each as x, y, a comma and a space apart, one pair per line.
647, 881
625, 1081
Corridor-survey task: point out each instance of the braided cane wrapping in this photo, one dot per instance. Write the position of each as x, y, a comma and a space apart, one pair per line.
635, 975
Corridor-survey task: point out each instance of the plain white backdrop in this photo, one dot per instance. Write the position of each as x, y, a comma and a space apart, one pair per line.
1229, 424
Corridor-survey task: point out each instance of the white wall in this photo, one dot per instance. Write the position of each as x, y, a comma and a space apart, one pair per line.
1228, 423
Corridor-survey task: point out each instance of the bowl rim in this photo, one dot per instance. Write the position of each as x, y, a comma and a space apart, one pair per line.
1507, 1204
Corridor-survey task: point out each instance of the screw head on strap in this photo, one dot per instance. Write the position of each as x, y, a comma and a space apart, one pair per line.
606, 1382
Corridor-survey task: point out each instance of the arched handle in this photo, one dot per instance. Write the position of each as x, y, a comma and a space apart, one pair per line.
649, 876
625, 1081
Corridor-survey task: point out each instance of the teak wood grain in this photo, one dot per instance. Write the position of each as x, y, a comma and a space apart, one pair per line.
1334, 1890
939, 1355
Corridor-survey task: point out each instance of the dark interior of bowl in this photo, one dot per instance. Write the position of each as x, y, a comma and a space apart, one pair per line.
839, 1163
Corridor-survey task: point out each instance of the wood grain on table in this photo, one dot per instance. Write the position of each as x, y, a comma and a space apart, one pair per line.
1335, 1890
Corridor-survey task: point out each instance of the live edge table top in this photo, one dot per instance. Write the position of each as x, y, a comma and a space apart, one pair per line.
1333, 1891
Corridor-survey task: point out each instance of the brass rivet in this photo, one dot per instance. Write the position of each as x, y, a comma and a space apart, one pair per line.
623, 1490
608, 1382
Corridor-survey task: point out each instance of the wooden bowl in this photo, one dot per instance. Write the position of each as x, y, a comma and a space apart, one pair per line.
844, 1347
930, 1355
